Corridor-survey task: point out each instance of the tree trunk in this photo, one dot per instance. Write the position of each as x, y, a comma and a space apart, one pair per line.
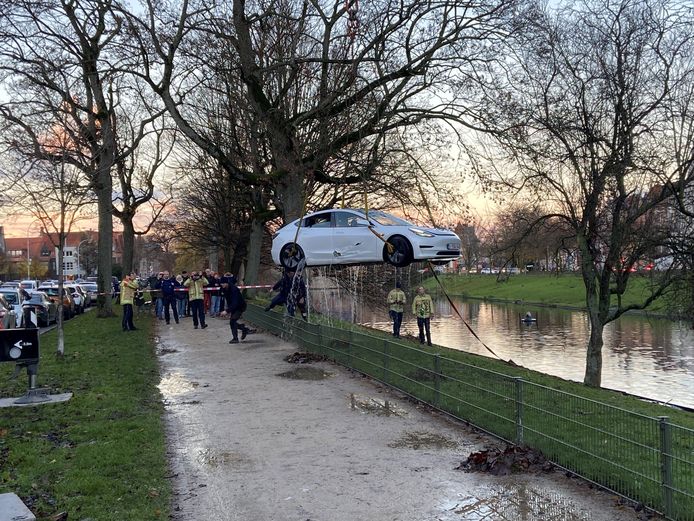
59, 318
254, 245
593, 375
241, 251
128, 243
290, 192
105, 264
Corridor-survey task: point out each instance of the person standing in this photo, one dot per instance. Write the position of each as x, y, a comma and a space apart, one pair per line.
181, 297
396, 301
127, 294
423, 309
214, 288
196, 284
236, 305
159, 303
168, 293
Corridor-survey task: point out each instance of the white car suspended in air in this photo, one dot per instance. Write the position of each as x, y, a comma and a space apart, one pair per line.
346, 236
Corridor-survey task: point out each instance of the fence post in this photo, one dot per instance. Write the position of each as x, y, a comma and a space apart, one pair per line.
350, 353
666, 464
437, 379
518, 381
386, 356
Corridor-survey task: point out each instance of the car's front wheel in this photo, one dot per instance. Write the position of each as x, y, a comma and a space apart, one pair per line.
291, 255
398, 251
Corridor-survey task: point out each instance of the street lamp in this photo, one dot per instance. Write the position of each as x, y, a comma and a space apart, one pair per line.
79, 268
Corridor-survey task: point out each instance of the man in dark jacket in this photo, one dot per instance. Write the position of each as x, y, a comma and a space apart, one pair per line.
168, 293
235, 306
292, 293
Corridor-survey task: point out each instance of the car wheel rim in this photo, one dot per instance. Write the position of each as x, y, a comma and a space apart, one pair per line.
291, 256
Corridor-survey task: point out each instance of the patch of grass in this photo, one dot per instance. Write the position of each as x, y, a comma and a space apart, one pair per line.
102, 454
536, 288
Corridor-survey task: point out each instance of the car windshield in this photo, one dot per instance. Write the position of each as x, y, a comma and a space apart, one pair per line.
35, 298
53, 292
385, 219
10, 297
89, 287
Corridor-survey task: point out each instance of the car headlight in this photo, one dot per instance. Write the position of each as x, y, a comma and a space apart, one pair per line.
421, 233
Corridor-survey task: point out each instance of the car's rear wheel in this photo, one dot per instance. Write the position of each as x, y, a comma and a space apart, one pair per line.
399, 253
291, 255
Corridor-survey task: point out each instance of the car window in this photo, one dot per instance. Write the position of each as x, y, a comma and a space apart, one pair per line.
348, 219
321, 220
10, 297
386, 219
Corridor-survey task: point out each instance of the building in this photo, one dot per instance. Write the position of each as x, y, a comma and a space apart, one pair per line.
36, 257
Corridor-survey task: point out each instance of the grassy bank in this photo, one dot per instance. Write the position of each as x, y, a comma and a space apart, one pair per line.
535, 288
100, 455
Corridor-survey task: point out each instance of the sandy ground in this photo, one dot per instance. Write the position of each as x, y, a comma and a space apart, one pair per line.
248, 444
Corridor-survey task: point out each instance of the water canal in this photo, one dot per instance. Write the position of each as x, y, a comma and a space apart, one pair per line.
649, 357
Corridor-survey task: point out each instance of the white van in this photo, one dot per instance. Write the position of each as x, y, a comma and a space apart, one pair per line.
29, 285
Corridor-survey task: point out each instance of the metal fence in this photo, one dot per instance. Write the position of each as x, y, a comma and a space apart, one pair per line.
648, 460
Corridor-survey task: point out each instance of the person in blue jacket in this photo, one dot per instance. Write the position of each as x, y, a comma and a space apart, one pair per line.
168, 293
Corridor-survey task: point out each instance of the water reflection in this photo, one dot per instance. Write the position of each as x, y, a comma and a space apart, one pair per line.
644, 356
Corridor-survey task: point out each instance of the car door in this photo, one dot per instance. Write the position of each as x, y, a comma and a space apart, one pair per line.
315, 238
353, 241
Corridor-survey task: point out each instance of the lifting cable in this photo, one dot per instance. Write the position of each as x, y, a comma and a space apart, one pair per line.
472, 331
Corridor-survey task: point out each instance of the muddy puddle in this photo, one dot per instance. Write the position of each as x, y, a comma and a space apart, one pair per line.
175, 384
374, 406
423, 440
212, 458
306, 373
512, 502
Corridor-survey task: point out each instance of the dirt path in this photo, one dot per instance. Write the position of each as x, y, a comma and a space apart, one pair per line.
320, 445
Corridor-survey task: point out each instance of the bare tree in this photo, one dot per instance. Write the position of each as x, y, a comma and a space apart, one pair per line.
326, 84
63, 67
590, 106
56, 194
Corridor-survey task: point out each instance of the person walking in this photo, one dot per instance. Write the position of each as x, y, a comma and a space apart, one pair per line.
168, 293
195, 285
127, 295
423, 309
396, 301
236, 305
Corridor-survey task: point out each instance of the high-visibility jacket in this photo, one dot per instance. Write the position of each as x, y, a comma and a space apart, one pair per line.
396, 300
422, 306
195, 291
127, 291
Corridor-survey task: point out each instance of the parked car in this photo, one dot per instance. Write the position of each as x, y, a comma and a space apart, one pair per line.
92, 290
45, 309
78, 297
11, 284
14, 297
29, 285
52, 292
8, 316
346, 236
86, 296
